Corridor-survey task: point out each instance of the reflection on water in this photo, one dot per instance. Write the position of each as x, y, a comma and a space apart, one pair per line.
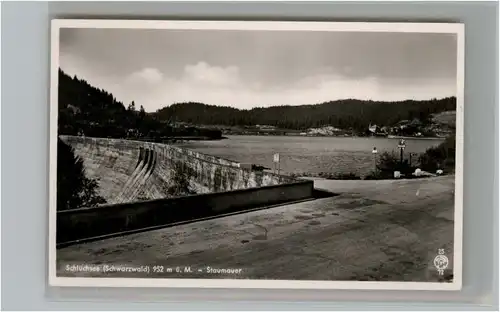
308, 154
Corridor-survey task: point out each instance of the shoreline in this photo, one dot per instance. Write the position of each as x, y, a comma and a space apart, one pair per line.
227, 135
317, 178
414, 138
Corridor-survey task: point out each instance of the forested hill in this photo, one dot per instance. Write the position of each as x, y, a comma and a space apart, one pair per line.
87, 110
344, 114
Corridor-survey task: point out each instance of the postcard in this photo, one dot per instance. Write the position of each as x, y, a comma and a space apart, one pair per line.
252, 154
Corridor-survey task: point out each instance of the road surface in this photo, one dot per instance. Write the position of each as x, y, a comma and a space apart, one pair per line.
374, 230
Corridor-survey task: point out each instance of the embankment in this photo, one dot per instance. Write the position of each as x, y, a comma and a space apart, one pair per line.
131, 171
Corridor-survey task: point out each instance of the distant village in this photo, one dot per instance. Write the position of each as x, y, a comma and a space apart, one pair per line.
439, 127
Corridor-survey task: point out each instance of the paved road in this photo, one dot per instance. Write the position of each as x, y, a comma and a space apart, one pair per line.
374, 230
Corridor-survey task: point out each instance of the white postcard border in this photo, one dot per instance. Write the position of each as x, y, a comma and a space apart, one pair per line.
454, 28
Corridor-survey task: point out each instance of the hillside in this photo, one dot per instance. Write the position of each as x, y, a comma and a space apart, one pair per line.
88, 110
342, 114
447, 118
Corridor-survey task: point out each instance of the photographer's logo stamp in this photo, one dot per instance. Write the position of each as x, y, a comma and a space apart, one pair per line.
441, 262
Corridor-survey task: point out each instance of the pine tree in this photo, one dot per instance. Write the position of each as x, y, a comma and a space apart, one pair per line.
131, 106
142, 112
74, 189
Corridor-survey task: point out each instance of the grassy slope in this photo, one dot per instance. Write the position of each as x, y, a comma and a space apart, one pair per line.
447, 118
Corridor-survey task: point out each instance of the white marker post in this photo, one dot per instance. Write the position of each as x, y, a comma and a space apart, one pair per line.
374, 152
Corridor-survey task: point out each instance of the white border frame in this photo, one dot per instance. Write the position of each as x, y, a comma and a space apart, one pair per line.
453, 28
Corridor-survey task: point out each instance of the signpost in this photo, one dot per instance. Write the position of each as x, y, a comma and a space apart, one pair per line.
276, 161
401, 146
277, 158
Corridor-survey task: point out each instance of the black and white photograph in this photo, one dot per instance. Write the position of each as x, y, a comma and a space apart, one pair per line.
314, 155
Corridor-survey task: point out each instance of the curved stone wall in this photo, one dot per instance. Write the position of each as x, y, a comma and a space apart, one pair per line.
130, 171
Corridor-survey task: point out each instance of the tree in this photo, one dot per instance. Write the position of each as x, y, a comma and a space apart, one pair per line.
131, 107
74, 189
440, 157
182, 174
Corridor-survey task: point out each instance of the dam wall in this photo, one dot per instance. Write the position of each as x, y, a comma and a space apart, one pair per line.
131, 171
98, 222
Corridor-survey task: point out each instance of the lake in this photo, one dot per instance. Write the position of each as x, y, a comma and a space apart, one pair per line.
309, 154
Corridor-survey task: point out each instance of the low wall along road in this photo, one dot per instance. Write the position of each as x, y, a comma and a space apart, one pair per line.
135, 178
86, 223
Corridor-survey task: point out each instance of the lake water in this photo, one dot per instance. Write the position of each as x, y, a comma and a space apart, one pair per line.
308, 154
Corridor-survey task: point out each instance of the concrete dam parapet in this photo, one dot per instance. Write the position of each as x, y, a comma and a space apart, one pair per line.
131, 171
86, 224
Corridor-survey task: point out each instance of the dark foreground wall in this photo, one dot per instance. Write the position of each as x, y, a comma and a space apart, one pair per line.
92, 222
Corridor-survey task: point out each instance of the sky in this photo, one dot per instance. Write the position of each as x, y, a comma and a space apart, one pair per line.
246, 69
